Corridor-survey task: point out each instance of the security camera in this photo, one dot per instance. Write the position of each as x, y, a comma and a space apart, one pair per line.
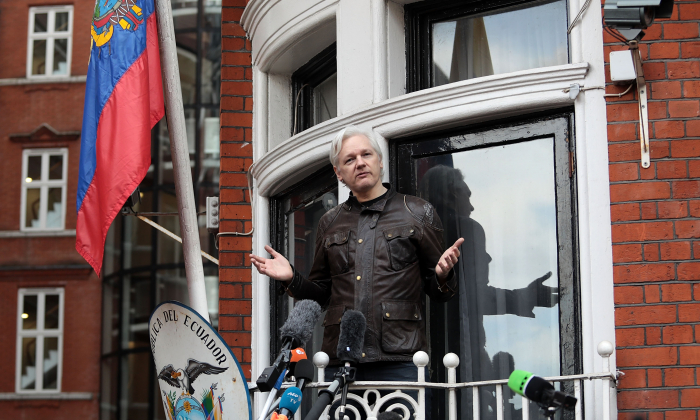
629, 17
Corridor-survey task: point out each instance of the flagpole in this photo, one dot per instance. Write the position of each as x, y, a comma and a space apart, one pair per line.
181, 159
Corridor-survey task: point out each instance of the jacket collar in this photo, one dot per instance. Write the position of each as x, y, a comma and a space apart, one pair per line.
377, 206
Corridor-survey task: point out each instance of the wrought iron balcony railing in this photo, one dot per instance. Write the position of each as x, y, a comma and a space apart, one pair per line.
371, 402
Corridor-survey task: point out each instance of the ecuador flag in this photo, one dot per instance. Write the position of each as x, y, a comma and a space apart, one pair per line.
123, 101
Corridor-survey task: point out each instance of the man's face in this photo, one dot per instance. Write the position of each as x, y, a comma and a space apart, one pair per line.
359, 165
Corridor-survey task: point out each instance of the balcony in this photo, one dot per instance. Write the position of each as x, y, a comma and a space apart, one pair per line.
370, 402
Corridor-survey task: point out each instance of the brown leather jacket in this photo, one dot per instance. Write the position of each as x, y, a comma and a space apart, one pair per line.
377, 260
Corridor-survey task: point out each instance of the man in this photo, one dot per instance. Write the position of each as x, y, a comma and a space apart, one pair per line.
375, 253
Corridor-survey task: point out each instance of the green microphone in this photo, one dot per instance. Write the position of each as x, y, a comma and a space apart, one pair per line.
539, 390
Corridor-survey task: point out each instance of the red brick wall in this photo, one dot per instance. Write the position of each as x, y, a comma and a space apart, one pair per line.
81, 342
235, 289
656, 225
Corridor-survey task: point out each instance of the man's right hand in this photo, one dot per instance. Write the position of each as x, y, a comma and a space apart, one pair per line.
277, 268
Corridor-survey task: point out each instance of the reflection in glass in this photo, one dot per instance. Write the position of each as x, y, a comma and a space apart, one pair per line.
108, 389
137, 236
55, 208
61, 22
55, 166
211, 52
40, 22
325, 100
39, 56
501, 42
50, 363
187, 61
33, 207
134, 386
60, 56
111, 294
33, 168
29, 309
113, 247
508, 283
51, 312
27, 379
137, 304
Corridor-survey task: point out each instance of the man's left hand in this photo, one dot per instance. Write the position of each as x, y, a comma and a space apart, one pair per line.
448, 260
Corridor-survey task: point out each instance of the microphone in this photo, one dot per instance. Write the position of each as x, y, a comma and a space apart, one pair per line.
304, 373
295, 332
540, 391
289, 404
350, 342
352, 337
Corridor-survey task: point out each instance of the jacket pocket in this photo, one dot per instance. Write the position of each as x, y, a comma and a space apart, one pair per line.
401, 250
337, 251
331, 329
401, 323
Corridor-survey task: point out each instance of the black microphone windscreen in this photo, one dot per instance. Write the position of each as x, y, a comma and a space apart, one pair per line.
300, 323
304, 370
352, 336
389, 415
535, 388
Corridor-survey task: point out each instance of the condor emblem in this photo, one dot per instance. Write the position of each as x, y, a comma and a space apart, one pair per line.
199, 377
109, 13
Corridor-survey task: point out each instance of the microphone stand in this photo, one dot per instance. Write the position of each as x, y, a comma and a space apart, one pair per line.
343, 378
348, 373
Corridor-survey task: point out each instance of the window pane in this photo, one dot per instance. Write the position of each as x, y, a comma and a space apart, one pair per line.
33, 208
40, 22
50, 363
60, 56
61, 22
135, 383
111, 294
33, 168
55, 209
27, 378
211, 53
109, 391
508, 282
51, 312
499, 43
138, 307
29, 308
326, 100
39, 57
56, 167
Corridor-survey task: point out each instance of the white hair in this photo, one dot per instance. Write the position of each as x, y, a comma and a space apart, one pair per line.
348, 132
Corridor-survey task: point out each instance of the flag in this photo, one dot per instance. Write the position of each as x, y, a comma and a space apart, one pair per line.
123, 101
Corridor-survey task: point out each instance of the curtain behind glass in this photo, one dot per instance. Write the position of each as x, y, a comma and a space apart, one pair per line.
501, 42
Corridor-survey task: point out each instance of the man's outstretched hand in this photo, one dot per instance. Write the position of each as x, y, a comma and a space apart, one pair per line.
277, 267
448, 260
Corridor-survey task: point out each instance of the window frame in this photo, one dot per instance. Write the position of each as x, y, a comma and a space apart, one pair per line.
559, 126
419, 18
320, 68
40, 334
50, 36
43, 185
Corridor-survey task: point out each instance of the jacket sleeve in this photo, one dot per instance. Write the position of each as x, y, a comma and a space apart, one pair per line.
430, 249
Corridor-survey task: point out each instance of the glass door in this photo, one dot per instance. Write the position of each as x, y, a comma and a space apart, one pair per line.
507, 191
